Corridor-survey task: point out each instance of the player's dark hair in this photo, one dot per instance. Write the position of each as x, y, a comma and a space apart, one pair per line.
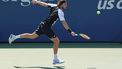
60, 2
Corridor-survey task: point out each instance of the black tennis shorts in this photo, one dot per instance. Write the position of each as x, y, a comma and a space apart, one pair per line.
45, 29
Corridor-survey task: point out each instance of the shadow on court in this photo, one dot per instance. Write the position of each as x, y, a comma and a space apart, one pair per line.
46, 67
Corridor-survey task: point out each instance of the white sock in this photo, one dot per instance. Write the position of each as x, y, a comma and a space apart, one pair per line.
55, 56
17, 37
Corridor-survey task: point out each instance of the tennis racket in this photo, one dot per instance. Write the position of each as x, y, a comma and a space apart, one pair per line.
83, 36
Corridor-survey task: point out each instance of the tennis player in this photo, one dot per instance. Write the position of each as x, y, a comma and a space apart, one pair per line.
45, 27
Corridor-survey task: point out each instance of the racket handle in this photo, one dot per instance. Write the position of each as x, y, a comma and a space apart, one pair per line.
76, 34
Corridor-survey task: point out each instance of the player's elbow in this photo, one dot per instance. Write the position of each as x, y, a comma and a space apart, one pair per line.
63, 21
34, 2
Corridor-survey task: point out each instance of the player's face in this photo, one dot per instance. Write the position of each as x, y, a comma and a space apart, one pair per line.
64, 5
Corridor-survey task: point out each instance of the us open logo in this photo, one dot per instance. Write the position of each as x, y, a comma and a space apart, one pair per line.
109, 4
23, 3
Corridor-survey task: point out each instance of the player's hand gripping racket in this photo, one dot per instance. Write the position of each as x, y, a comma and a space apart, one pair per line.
83, 36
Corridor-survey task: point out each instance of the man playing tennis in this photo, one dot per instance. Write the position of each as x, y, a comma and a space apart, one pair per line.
56, 11
45, 27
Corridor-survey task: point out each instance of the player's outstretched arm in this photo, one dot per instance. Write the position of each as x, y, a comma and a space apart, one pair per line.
66, 26
36, 2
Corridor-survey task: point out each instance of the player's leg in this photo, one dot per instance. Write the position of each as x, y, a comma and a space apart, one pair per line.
28, 35
34, 35
24, 35
55, 45
56, 42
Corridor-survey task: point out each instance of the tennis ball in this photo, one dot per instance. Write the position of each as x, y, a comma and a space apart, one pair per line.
98, 12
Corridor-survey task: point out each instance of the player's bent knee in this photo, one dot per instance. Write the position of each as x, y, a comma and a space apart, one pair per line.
56, 40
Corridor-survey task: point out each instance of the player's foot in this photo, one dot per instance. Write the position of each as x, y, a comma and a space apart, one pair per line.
11, 38
57, 61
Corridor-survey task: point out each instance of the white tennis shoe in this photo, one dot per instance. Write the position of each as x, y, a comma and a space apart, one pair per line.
12, 38
57, 61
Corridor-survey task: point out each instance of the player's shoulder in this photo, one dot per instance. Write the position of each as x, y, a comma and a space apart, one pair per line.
60, 11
